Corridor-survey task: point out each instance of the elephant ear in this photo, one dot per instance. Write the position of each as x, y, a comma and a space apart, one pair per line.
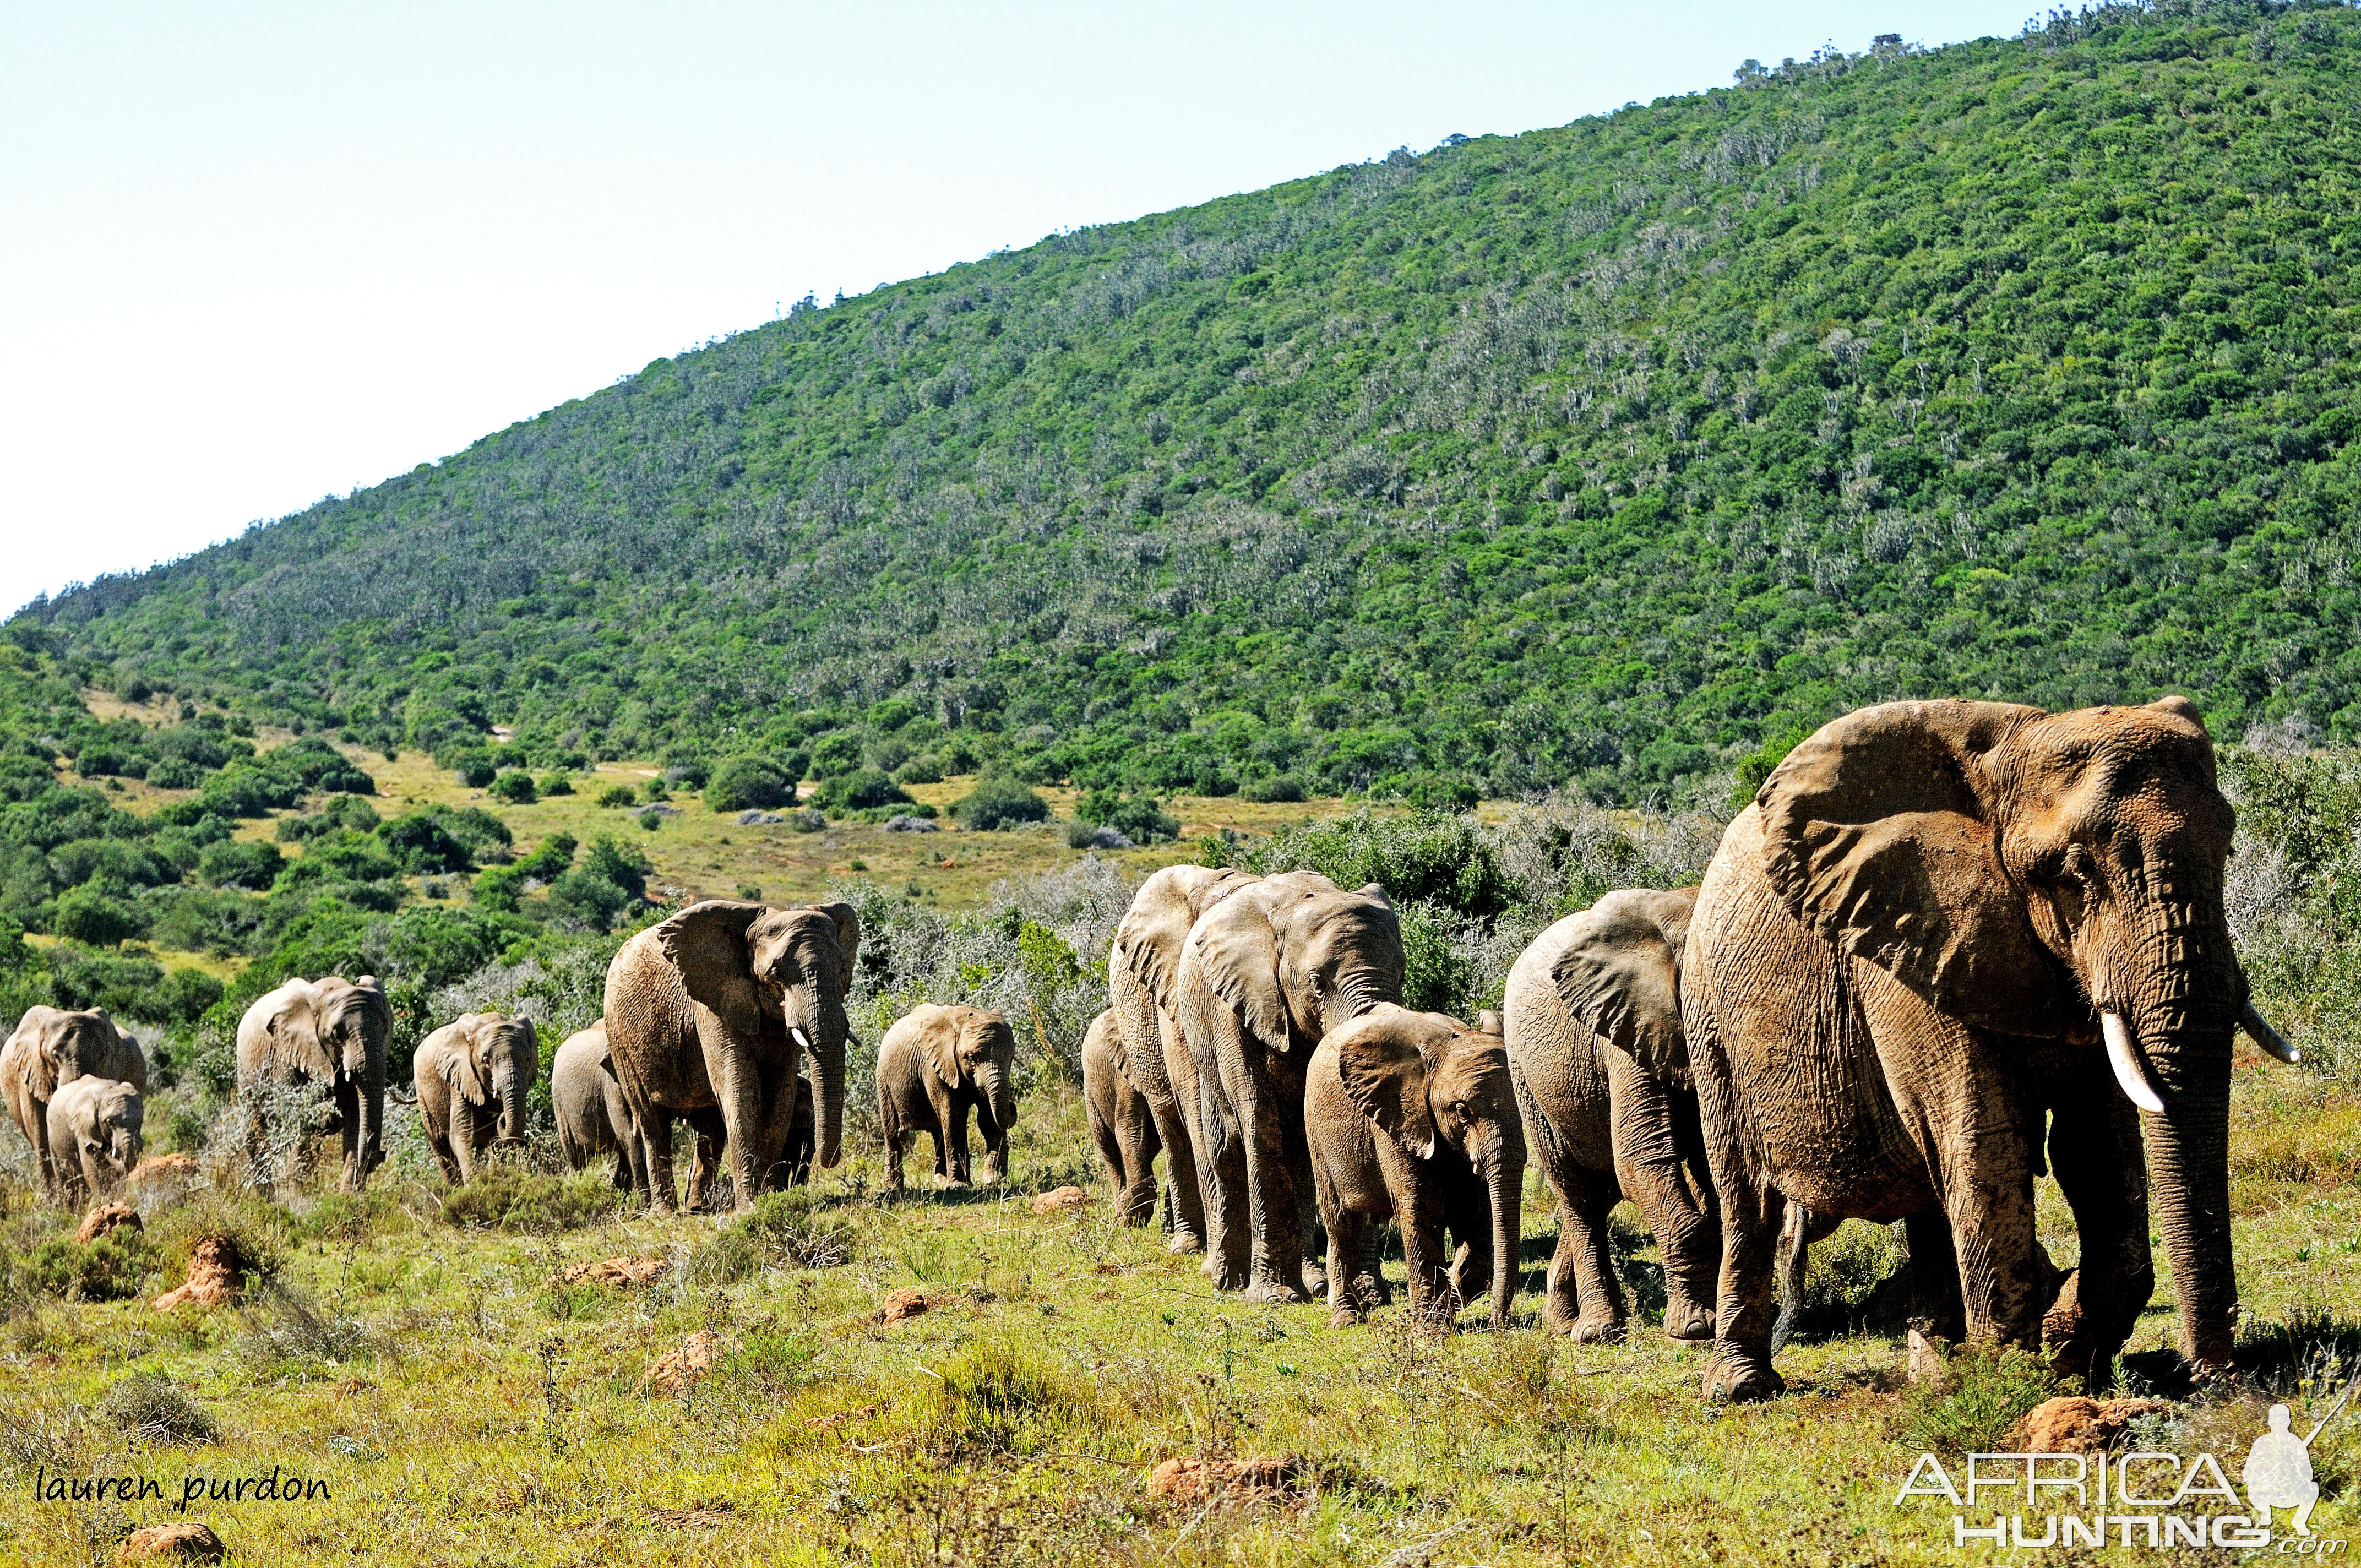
1487, 1022
943, 1036
1620, 976
461, 1064
848, 942
1385, 1074
292, 1031
1153, 929
1878, 833
707, 944
1236, 953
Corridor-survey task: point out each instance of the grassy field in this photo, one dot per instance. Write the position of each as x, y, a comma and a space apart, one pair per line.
462, 1408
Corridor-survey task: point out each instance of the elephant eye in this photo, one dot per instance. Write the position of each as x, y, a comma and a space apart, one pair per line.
1459, 1108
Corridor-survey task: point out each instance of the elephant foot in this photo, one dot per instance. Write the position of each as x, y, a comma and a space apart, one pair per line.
1598, 1328
952, 1184
1735, 1378
1184, 1242
1224, 1277
1315, 1278
1371, 1291
1687, 1322
1277, 1293
1343, 1317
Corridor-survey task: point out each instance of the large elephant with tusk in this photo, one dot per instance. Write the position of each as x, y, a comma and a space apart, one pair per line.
716, 1008
1953, 944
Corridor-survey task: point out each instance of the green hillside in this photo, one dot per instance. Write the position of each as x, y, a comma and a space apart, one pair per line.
1608, 452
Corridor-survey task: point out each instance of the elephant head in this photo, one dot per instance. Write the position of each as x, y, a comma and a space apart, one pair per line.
1295, 955
494, 1063
2032, 873
109, 1134
798, 965
1620, 975
981, 1050
1443, 1092
88, 1044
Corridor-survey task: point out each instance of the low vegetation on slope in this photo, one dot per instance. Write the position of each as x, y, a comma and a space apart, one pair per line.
1606, 454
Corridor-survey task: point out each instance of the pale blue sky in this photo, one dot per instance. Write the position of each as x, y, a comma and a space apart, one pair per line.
253, 254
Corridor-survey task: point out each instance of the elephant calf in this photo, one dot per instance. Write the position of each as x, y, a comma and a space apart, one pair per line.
1122, 1122
1411, 1115
932, 1067
50, 1048
593, 1118
93, 1135
482, 1063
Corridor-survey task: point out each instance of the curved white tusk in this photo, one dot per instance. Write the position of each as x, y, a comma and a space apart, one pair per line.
801, 1038
2270, 1040
2131, 1073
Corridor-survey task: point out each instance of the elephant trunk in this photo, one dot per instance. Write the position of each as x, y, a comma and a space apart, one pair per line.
510, 1084
2189, 1155
2170, 1049
1505, 1179
370, 1150
815, 1016
999, 1099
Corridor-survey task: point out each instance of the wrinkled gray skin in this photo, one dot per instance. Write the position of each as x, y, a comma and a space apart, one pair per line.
50, 1048
934, 1066
716, 1009
1266, 973
592, 1116
1941, 929
1121, 1123
1413, 1116
472, 1076
333, 1033
95, 1128
1147, 1047
1595, 1042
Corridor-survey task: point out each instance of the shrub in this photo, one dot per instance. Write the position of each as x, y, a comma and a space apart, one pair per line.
835, 756
1278, 788
683, 765
998, 804
236, 862
1983, 1392
474, 765
516, 788
556, 783
1438, 856
744, 783
152, 1409
89, 914
505, 1199
650, 820
617, 795
111, 1268
865, 790
923, 770
353, 1216
810, 819
425, 845
1140, 818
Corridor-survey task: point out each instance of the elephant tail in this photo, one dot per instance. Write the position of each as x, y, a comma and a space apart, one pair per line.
401, 1098
1794, 1252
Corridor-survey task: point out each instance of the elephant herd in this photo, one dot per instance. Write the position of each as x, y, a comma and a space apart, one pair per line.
1952, 946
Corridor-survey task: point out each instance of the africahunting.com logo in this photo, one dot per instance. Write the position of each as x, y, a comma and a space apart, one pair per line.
2013, 1501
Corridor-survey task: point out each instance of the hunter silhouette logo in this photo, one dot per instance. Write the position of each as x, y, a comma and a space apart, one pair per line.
2146, 1499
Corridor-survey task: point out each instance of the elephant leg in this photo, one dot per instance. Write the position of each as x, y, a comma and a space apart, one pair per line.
1560, 1299
1430, 1301
463, 1138
1656, 1138
1348, 1239
1582, 1269
438, 1141
1222, 1165
1937, 1312
655, 1141
897, 1143
777, 1124
1989, 1197
1748, 1306
705, 1155
1176, 1128
2103, 1173
1370, 1269
1136, 1147
1111, 1152
1273, 1198
953, 1160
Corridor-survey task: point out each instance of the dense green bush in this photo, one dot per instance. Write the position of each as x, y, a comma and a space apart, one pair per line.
999, 803
506, 1199
1141, 818
744, 782
516, 788
246, 863
865, 789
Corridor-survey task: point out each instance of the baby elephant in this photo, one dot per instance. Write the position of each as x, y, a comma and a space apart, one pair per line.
591, 1114
932, 1066
472, 1076
93, 1135
1411, 1117
1121, 1123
